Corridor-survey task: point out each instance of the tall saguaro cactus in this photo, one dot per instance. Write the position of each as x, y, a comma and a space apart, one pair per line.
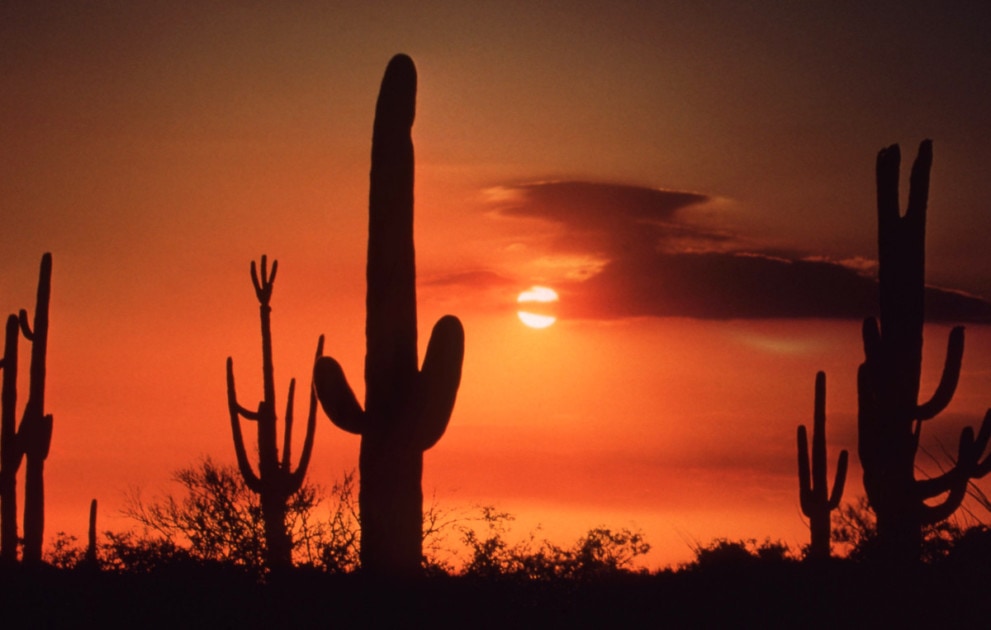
816, 500
31, 441
10, 452
276, 481
406, 409
889, 415
35, 433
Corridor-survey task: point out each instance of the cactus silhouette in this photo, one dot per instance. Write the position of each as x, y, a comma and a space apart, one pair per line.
275, 481
30, 442
889, 415
35, 432
91, 554
10, 452
816, 500
406, 410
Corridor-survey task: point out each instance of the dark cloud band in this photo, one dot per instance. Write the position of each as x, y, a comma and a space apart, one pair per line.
660, 263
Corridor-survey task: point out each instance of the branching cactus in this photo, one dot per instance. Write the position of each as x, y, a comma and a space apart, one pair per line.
276, 481
406, 409
816, 500
35, 432
890, 417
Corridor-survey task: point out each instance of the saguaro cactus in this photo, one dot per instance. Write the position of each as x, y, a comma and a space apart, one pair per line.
35, 433
11, 455
406, 409
275, 481
889, 415
92, 558
30, 441
816, 500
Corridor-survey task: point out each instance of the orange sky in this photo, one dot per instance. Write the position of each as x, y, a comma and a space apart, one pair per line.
157, 150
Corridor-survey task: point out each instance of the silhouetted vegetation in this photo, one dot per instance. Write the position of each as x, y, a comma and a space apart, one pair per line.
889, 415
593, 583
407, 409
276, 483
816, 501
601, 552
31, 440
219, 519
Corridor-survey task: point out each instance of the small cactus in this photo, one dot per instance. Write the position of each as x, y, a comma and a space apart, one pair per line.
816, 500
91, 558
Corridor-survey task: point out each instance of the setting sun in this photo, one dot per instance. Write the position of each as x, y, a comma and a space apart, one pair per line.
534, 304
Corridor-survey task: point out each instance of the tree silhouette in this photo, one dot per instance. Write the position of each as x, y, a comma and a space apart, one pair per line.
218, 518
275, 481
816, 500
406, 409
890, 417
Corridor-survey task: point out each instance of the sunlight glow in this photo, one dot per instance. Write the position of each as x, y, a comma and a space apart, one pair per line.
536, 296
533, 320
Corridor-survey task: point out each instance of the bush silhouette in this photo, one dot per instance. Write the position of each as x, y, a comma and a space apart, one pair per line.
220, 519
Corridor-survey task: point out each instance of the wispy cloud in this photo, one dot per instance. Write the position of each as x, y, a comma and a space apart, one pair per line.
616, 251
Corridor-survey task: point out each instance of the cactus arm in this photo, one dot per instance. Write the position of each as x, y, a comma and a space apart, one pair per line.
840, 481
819, 438
948, 382
887, 175
918, 183
287, 430
263, 284
232, 403
296, 480
336, 396
804, 471
23, 319
439, 379
932, 514
955, 481
250, 478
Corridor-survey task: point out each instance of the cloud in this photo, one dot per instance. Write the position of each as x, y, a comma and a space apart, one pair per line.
660, 253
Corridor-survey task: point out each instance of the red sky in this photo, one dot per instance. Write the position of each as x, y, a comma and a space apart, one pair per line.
691, 177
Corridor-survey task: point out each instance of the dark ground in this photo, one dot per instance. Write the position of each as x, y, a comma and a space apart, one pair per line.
784, 595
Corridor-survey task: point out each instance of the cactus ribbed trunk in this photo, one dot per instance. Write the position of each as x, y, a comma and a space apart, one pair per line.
390, 499
890, 417
406, 409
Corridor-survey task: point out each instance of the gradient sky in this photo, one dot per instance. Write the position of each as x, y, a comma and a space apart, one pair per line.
695, 179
